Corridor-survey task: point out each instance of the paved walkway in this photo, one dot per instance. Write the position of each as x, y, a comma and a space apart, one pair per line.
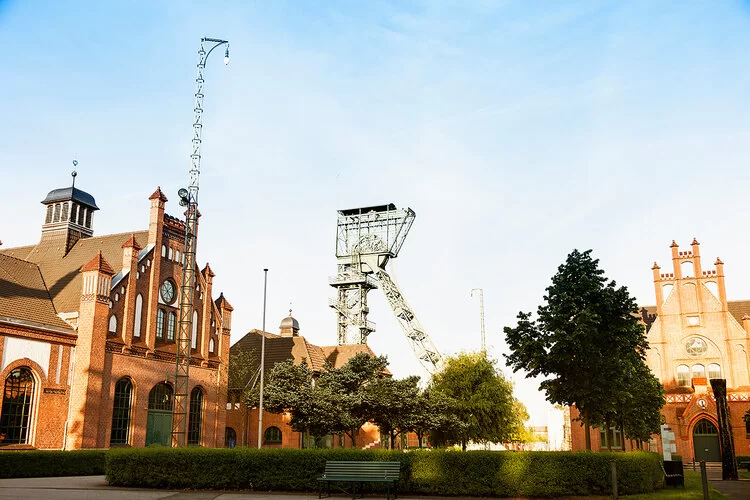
96, 488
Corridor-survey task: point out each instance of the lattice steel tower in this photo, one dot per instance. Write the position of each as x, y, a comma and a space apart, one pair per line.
366, 238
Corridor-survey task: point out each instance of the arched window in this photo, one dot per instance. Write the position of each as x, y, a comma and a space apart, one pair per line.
138, 315
64, 215
48, 217
714, 371
211, 345
177, 256
272, 435
699, 371
112, 324
57, 212
163, 250
160, 324
683, 375
160, 397
169, 253
171, 325
230, 438
194, 336
74, 213
195, 419
17, 406
123, 402
81, 215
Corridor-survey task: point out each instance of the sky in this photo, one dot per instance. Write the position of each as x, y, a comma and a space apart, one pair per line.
516, 130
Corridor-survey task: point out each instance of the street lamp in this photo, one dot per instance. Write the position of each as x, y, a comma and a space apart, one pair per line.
189, 199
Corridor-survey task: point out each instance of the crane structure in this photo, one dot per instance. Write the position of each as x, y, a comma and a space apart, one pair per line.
189, 199
366, 239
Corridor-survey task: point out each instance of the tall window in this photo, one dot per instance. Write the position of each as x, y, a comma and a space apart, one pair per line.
230, 437
683, 375
17, 406
699, 371
64, 215
714, 371
194, 339
74, 213
195, 416
160, 397
112, 324
171, 326
89, 213
211, 346
81, 215
138, 315
272, 435
121, 412
48, 218
160, 324
57, 212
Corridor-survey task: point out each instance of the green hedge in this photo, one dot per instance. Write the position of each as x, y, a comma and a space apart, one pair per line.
436, 472
744, 458
51, 463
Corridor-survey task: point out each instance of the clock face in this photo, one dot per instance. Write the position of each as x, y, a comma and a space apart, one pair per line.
167, 291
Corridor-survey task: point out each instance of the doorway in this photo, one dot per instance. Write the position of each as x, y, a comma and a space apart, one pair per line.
159, 424
706, 442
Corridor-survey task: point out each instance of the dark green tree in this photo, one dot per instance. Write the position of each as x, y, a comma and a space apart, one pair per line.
393, 405
480, 402
585, 342
640, 410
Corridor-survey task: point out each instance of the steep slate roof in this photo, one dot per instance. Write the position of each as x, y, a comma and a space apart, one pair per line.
24, 295
61, 272
298, 349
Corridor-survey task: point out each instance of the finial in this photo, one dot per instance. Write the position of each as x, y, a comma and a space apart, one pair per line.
74, 173
695, 241
674, 244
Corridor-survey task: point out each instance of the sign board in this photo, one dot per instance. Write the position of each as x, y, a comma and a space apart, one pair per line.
668, 444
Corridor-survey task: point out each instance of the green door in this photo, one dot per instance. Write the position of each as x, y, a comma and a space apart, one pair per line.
706, 442
159, 428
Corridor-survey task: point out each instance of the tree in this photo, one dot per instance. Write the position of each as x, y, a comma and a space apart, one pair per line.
640, 410
393, 405
242, 378
586, 341
481, 406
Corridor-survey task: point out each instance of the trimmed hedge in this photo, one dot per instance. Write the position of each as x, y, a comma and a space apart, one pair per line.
435, 472
38, 463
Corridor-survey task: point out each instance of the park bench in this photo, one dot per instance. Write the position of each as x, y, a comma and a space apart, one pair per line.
358, 473
675, 476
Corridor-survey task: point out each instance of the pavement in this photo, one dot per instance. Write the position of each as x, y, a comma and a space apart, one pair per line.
95, 488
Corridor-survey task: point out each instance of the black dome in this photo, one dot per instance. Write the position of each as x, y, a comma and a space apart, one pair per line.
70, 193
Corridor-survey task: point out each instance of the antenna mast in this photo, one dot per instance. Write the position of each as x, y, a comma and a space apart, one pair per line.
189, 199
481, 314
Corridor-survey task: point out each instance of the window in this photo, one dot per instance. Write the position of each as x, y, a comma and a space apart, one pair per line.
89, 213
81, 215
160, 397
121, 412
169, 253
138, 315
616, 438
17, 406
699, 371
683, 375
177, 256
64, 215
163, 251
171, 326
195, 416
194, 339
160, 324
74, 213
211, 345
57, 213
48, 217
112, 324
272, 435
714, 371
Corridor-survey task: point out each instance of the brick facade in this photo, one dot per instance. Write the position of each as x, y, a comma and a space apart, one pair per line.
108, 290
694, 335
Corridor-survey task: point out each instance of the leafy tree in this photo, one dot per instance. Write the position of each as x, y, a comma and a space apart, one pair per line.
242, 384
640, 410
432, 414
393, 405
586, 341
481, 406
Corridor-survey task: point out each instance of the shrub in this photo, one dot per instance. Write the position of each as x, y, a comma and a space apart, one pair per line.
38, 463
475, 473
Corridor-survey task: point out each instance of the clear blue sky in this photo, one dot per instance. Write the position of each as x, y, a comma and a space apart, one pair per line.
517, 131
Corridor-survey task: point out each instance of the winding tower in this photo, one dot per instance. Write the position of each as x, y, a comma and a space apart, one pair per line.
366, 239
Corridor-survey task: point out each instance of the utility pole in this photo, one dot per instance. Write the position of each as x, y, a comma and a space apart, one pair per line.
189, 199
263, 360
481, 314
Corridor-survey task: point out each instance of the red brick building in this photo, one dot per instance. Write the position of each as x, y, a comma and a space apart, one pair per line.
242, 424
87, 334
695, 334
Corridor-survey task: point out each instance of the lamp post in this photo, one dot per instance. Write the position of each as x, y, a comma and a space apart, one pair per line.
262, 360
481, 313
189, 198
